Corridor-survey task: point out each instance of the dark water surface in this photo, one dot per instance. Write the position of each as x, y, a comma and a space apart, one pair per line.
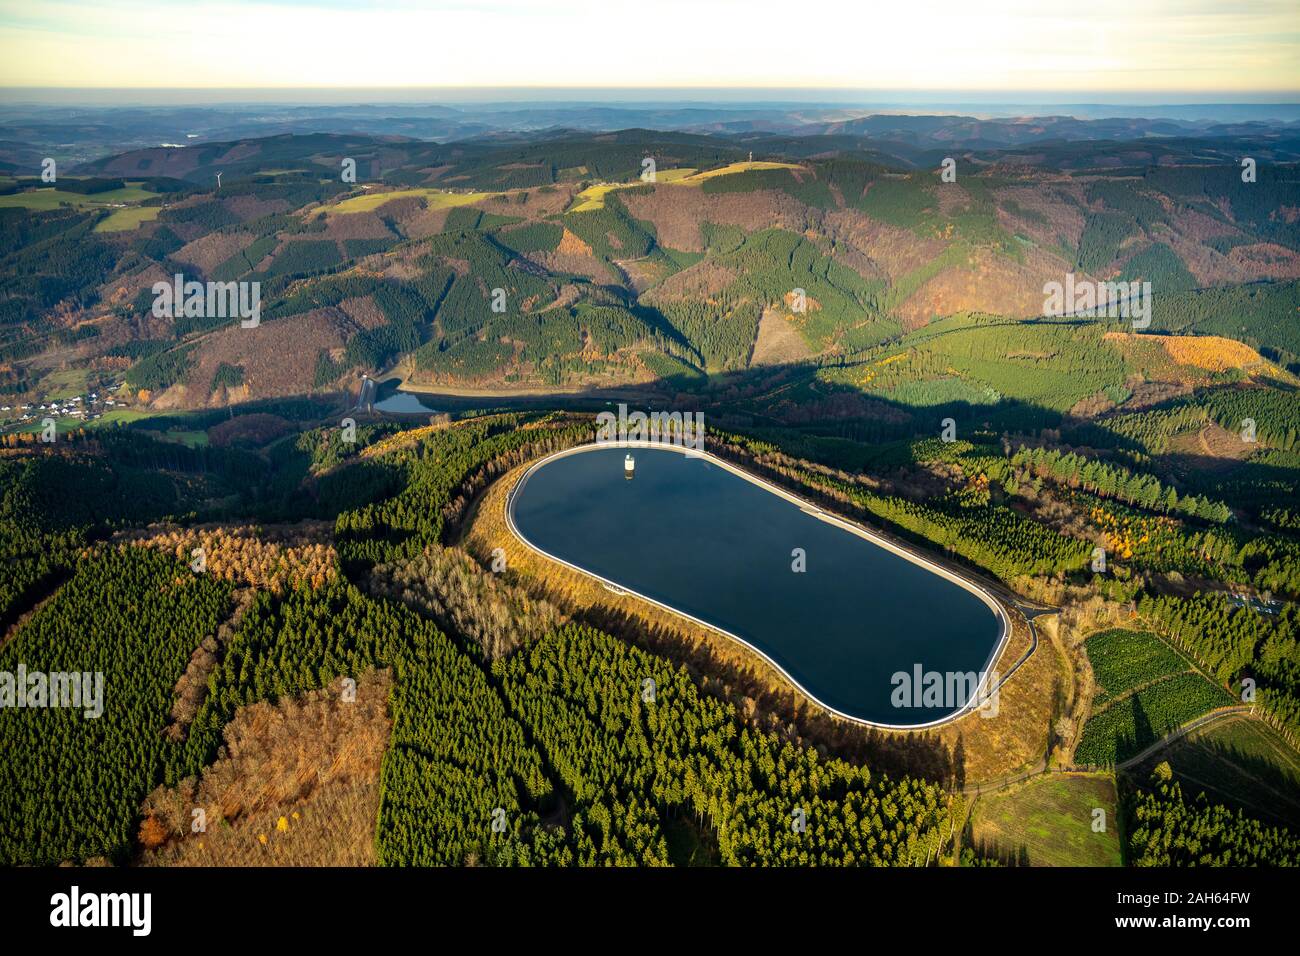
403, 403
704, 541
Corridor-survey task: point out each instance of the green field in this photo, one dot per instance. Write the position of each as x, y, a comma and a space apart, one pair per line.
110, 417
114, 415
65, 383
679, 174
43, 200
193, 439
1049, 364
1240, 762
1048, 821
124, 220
61, 425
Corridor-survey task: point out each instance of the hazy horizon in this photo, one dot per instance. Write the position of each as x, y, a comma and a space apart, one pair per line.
989, 104
709, 95
1165, 47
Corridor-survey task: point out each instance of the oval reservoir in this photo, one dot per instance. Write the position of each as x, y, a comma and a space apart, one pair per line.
689, 533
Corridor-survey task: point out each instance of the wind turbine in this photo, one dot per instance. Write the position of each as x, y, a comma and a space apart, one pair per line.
218, 180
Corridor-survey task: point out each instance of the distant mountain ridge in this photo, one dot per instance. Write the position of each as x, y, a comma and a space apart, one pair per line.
610, 280
81, 134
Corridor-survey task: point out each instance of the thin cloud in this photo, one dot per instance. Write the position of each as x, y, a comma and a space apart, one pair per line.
1160, 45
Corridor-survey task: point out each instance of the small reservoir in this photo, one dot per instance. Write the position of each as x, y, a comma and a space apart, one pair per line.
840, 613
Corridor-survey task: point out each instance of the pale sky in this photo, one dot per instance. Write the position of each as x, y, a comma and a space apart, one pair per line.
1171, 46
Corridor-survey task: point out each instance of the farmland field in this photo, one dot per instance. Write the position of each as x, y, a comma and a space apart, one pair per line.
677, 175
124, 415
191, 437
112, 416
1048, 821
44, 200
123, 220
66, 383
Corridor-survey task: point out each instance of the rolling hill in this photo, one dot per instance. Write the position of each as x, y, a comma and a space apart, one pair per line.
602, 279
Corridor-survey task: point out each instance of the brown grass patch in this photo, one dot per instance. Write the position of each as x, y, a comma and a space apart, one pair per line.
248, 208
893, 250
778, 341
1265, 260
253, 430
1213, 441
213, 249
278, 356
704, 280
986, 282
575, 263
573, 246
536, 204
364, 311
677, 217
358, 225
123, 288
297, 785
159, 161
1045, 213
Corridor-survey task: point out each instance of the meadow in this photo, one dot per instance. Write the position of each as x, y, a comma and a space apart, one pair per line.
124, 220
1048, 821
593, 197
689, 177
45, 199
435, 198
